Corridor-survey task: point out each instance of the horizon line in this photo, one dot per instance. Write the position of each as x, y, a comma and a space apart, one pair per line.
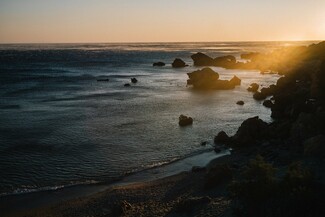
155, 42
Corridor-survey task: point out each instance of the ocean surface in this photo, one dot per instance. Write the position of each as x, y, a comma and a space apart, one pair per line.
60, 127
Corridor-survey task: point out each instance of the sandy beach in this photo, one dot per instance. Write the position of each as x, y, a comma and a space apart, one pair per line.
171, 196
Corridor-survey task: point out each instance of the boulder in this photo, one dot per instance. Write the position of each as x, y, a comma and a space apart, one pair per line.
160, 64
250, 131
235, 81
240, 102
185, 121
315, 147
134, 80
221, 138
127, 85
201, 59
178, 63
253, 87
268, 103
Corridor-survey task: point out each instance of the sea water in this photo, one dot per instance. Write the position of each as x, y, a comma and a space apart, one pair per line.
59, 126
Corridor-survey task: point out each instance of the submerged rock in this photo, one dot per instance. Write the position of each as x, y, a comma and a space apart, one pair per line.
178, 63
104, 79
134, 80
160, 64
185, 121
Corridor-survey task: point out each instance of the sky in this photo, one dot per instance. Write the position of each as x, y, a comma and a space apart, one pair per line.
82, 21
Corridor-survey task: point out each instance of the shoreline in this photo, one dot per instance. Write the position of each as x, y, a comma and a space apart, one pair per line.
47, 198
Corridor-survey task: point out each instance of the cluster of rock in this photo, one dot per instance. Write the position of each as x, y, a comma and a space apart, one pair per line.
209, 79
177, 63
298, 107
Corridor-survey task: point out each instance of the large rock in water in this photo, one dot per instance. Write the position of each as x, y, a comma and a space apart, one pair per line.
201, 59
209, 79
250, 131
178, 63
185, 121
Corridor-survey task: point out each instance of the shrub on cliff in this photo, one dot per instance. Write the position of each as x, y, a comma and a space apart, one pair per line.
259, 193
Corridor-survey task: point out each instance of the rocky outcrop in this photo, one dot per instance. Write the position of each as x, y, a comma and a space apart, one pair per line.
160, 64
209, 79
253, 87
178, 63
127, 85
185, 121
250, 131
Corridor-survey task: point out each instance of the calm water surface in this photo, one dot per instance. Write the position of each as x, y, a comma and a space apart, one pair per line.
60, 127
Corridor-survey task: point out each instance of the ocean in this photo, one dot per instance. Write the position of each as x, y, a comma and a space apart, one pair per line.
60, 127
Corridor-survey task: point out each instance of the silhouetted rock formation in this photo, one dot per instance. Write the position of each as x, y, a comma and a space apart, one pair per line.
240, 102
185, 121
178, 63
253, 87
201, 59
250, 131
221, 138
134, 80
160, 64
127, 85
209, 79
